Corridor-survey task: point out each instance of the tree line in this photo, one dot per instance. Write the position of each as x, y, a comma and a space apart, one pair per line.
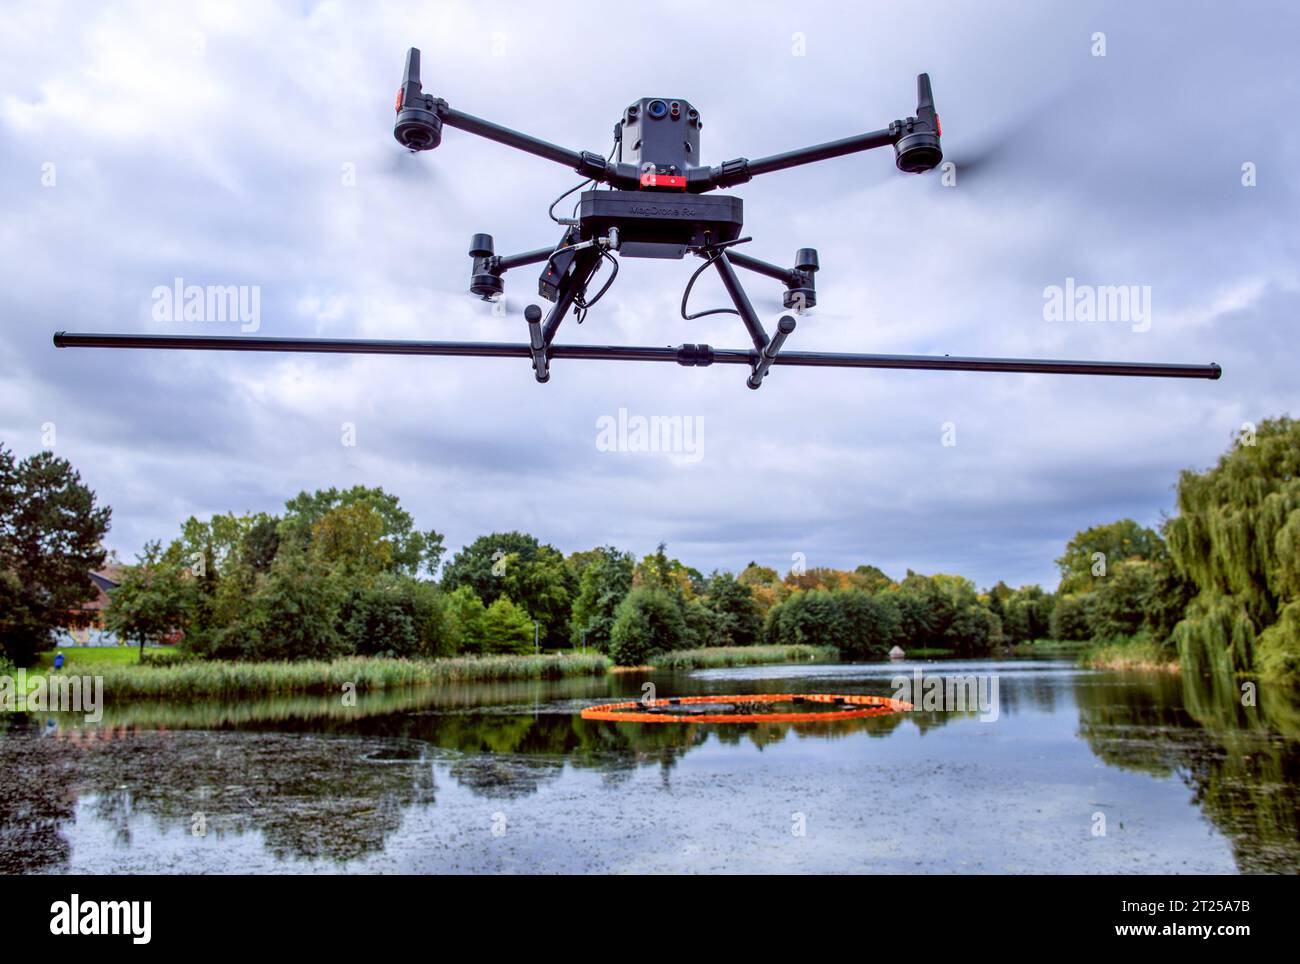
347, 572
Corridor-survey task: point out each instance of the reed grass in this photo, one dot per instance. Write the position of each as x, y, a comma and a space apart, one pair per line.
231, 680
715, 657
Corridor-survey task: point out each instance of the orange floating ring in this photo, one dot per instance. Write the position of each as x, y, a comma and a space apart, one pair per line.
856, 707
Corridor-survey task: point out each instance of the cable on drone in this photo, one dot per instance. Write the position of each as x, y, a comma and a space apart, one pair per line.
577, 187
715, 253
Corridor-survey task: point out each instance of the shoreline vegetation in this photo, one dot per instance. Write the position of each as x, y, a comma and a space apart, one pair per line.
165, 676
1136, 653
341, 575
217, 678
714, 657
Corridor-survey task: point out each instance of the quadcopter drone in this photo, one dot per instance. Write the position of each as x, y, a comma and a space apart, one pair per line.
657, 202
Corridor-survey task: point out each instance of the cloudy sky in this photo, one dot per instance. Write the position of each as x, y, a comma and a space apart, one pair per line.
250, 144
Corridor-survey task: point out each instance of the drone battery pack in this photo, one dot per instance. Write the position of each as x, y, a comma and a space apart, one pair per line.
655, 224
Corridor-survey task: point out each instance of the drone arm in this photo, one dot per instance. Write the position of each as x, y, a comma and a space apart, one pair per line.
507, 261
915, 142
742, 169
584, 162
784, 275
421, 117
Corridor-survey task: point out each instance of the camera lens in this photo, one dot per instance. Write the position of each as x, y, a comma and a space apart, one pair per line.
656, 108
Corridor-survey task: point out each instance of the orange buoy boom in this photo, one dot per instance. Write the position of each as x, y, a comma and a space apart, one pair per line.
660, 710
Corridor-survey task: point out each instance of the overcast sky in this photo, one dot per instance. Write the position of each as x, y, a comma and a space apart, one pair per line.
251, 144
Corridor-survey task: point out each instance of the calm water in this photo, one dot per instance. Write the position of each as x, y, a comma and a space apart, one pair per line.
508, 778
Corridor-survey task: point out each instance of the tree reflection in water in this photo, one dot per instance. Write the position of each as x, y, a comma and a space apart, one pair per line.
1242, 762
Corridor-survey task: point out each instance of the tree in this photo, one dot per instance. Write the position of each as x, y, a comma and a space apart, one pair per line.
1072, 616
483, 564
1093, 552
738, 620
871, 579
1027, 614
542, 585
261, 542
870, 624
465, 614
811, 618
1120, 601
658, 569
649, 622
410, 551
350, 540
507, 628
605, 580
766, 585
149, 604
379, 619
50, 541
1236, 538
293, 614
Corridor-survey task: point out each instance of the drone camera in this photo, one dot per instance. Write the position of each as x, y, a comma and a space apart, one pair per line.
918, 149
418, 126
661, 135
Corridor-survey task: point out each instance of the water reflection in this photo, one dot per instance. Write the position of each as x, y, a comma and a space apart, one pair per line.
307, 782
1241, 759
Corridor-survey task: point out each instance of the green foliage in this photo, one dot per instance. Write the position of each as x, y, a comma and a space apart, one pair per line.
1139, 651
408, 550
1027, 614
737, 621
396, 617
50, 541
720, 656
233, 680
648, 622
766, 586
292, 614
149, 603
543, 586
482, 564
516, 565
471, 627
944, 611
1279, 645
670, 574
260, 543
809, 618
872, 579
1235, 538
507, 628
605, 580
1093, 552
940, 613
1072, 616
465, 613
871, 624
1120, 599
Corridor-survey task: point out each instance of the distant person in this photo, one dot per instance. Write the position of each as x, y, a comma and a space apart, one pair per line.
58, 660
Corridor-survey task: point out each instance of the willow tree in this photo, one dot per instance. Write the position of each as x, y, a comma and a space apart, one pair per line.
1237, 537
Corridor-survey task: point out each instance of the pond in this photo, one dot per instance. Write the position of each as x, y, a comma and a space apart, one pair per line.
1081, 771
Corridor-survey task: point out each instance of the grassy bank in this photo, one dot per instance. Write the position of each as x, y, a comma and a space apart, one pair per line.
1056, 648
95, 657
1136, 653
231, 680
718, 656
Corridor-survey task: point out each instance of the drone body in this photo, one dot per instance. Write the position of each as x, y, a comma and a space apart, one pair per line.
657, 203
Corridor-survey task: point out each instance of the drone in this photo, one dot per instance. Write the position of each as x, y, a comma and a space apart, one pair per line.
650, 197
